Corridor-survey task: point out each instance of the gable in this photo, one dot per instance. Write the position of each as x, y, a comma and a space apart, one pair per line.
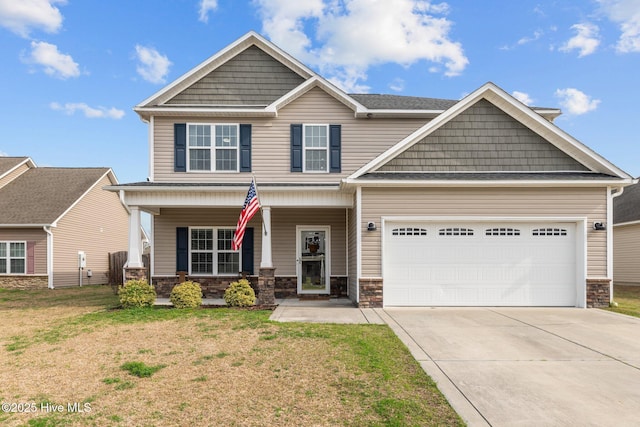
251, 78
482, 138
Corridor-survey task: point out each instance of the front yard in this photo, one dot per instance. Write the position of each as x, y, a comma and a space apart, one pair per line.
628, 299
70, 358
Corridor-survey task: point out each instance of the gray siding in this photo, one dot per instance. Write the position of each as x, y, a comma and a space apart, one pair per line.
283, 235
362, 141
508, 202
251, 78
626, 254
483, 138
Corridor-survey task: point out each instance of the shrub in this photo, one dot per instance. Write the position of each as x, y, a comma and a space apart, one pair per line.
240, 294
136, 294
186, 295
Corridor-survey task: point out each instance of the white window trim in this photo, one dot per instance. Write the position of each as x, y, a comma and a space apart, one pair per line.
214, 251
9, 257
212, 148
304, 148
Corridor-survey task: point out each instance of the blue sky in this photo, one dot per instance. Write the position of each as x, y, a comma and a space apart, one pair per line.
72, 70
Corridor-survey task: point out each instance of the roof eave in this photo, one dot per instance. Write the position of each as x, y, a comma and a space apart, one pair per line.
350, 182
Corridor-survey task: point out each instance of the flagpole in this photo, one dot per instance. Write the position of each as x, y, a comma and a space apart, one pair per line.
255, 185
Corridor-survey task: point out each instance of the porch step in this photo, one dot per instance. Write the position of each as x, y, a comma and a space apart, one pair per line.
308, 297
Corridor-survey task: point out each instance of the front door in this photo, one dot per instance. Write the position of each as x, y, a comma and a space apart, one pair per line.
313, 259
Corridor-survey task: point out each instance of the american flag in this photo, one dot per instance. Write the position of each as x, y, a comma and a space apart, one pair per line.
249, 209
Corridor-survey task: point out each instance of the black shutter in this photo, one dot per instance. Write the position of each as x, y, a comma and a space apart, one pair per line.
247, 251
335, 136
180, 147
296, 148
245, 148
182, 249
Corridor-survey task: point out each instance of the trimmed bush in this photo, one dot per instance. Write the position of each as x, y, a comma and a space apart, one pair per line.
136, 294
240, 294
186, 295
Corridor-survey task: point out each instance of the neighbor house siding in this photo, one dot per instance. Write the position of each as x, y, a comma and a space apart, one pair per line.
98, 224
283, 235
362, 141
626, 254
13, 175
35, 235
590, 203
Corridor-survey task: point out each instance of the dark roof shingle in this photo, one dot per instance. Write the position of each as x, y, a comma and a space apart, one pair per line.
626, 207
8, 163
399, 102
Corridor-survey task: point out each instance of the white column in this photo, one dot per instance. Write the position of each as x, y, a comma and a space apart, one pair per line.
266, 261
135, 241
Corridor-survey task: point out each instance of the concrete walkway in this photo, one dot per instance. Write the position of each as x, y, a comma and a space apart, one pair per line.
333, 310
528, 366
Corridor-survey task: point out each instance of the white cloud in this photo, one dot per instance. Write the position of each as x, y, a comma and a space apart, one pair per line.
575, 101
89, 112
153, 66
55, 63
353, 35
397, 85
627, 14
3, 154
522, 97
206, 6
528, 39
21, 16
586, 41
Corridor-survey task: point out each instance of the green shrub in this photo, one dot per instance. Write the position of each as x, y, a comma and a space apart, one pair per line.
240, 294
137, 294
186, 295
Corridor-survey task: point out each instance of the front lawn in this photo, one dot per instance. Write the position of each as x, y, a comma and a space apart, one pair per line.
70, 358
628, 299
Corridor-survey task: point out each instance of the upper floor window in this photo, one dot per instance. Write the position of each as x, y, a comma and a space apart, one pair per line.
212, 147
13, 257
316, 148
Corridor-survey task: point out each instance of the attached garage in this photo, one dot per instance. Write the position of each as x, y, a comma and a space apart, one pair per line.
501, 263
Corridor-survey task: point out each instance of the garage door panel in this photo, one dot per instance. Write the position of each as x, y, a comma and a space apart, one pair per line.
489, 264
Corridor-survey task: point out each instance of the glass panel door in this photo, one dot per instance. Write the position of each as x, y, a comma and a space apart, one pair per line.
313, 260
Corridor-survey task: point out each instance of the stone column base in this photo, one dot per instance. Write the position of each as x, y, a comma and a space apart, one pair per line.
135, 273
266, 286
598, 292
370, 292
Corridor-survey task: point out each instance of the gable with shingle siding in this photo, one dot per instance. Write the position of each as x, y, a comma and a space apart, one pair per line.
482, 138
251, 78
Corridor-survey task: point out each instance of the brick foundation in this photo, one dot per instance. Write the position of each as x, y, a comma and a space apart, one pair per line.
266, 287
135, 273
212, 287
370, 293
598, 293
24, 282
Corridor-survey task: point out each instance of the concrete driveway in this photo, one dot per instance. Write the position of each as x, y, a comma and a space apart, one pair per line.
528, 366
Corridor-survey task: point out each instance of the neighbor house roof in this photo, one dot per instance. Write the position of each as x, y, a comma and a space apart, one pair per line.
40, 196
626, 207
8, 163
399, 102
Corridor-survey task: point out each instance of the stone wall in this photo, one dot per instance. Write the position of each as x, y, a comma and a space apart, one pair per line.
598, 293
24, 282
370, 292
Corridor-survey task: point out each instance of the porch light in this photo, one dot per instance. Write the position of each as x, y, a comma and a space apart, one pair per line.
371, 226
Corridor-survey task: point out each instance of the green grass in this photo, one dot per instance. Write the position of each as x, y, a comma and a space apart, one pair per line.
140, 369
628, 299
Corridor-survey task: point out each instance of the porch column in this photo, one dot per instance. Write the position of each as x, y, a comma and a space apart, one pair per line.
135, 241
266, 260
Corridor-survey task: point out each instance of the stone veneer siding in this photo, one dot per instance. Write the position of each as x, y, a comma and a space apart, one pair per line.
24, 282
370, 292
598, 293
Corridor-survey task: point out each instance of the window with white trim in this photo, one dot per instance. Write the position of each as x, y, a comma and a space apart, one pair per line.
213, 147
213, 257
315, 148
13, 257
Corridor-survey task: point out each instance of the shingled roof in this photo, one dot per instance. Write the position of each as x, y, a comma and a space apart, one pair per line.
626, 207
8, 163
399, 102
41, 195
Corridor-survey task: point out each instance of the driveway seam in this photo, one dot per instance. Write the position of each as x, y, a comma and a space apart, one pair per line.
407, 336
565, 339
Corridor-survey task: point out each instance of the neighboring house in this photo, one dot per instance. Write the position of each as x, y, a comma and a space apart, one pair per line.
626, 237
389, 200
49, 215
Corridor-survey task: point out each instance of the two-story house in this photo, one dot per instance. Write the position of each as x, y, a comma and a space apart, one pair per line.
389, 200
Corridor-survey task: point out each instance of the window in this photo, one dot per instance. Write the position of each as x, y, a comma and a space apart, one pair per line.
13, 257
212, 147
455, 231
408, 231
316, 148
502, 232
549, 232
204, 250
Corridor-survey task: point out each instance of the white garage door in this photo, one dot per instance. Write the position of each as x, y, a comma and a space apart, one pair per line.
479, 264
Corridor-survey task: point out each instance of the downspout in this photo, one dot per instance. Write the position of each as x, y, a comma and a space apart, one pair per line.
47, 229
610, 198
359, 241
